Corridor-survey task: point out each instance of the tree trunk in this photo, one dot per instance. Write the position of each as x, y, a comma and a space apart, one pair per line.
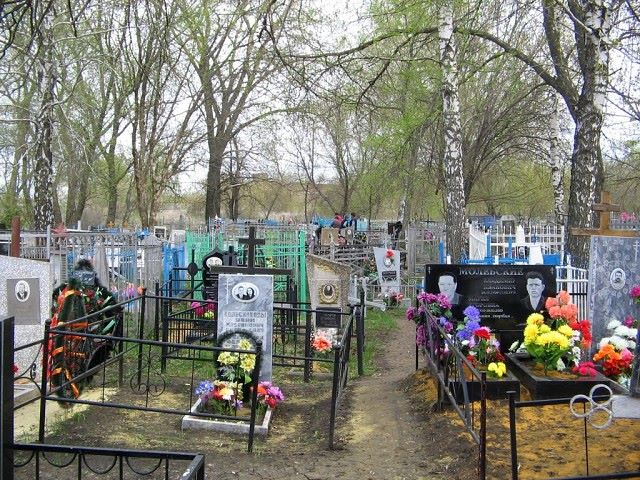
557, 166
592, 26
455, 207
43, 171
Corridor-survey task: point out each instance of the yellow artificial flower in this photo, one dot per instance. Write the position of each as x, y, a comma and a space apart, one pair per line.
228, 358
499, 369
535, 319
545, 328
530, 333
244, 344
553, 337
566, 330
247, 362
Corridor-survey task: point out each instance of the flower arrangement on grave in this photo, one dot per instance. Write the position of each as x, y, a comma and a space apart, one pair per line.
204, 309
392, 299
479, 344
634, 293
559, 339
438, 306
616, 352
269, 396
226, 393
321, 343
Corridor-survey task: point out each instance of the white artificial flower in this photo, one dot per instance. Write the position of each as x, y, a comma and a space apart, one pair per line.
613, 324
624, 331
631, 345
604, 341
560, 366
618, 343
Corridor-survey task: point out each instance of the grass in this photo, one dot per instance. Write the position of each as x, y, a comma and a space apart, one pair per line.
377, 326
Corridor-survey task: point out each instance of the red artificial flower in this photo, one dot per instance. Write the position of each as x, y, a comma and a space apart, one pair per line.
389, 253
270, 401
15, 368
483, 332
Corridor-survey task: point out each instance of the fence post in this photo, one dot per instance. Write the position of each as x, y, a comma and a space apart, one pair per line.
255, 380
156, 313
6, 385
360, 334
141, 333
512, 431
44, 379
307, 346
482, 463
334, 391
165, 335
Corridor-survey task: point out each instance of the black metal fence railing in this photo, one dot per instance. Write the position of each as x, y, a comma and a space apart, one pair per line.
341, 353
455, 375
32, 461
514, 405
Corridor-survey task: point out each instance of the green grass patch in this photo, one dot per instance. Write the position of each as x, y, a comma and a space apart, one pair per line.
377, 326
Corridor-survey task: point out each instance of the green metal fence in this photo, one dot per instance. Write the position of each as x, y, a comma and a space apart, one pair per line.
282, 249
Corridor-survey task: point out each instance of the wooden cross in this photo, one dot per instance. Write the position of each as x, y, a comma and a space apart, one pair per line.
251, 243
605, 207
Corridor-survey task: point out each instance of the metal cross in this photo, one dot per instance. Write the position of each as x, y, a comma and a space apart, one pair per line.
251, 243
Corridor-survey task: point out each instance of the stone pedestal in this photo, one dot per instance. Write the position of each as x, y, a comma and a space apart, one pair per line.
240, 426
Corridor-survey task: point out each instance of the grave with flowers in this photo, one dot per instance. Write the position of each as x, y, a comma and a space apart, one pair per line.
471, 340
550, 360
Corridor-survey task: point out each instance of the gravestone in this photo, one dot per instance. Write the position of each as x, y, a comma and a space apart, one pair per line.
25, 293
614, 268
213, 259
388, 266
498, 291
329, 292
245, 302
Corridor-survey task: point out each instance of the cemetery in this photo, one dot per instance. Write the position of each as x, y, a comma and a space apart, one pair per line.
307, 239
171, 364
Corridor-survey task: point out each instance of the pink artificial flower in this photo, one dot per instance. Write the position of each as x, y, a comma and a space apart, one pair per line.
628, 321
585, 369
626, 355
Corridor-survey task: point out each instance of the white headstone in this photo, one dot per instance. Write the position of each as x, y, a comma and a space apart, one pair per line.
388, 265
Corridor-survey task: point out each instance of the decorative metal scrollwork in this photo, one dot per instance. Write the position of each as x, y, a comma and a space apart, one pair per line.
148, 381
594, 406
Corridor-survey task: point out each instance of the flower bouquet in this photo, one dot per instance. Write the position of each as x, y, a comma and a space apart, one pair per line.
205, 310
558, 340
479, 344
269, 396
392, 299
437, 306
616, 352
322, 346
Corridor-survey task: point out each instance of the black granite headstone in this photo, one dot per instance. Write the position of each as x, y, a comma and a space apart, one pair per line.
498, 291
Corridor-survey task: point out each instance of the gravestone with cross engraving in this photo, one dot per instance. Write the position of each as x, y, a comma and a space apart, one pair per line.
614, 269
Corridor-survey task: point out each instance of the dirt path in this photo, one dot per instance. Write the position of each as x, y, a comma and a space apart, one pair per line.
387, 432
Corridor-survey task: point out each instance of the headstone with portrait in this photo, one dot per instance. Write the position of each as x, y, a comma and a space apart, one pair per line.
505, 294
213, 259
25, 293
329, 291
388, 266
614, 268
245, 302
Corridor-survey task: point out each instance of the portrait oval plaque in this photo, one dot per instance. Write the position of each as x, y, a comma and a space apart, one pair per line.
245, 292
328, 293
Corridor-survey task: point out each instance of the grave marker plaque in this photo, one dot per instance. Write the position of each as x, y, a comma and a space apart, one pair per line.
245, 302
498, 291
209, 277
23, 300
614, 268
329, 290
388, 266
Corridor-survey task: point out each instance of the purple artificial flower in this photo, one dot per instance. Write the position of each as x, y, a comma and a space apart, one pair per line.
411, 312
422, 296
628, 321
237, 403
448, 327
421, 336
466, 332
204, 388
276, 393
472, 313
